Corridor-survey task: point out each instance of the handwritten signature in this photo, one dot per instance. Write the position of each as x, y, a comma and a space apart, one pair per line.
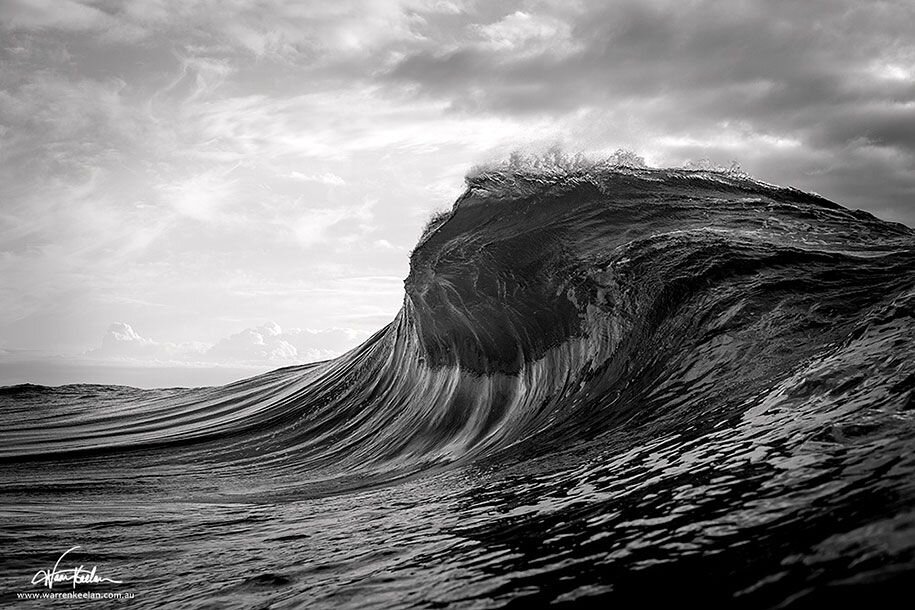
78, 575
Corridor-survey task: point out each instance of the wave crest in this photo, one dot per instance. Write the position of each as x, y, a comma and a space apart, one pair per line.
555, 301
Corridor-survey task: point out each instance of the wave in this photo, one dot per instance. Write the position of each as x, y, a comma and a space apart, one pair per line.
608, 376
546, 306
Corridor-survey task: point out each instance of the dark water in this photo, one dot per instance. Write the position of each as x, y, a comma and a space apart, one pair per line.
604, 387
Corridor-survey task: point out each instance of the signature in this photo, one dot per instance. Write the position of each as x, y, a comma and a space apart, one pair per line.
78, 575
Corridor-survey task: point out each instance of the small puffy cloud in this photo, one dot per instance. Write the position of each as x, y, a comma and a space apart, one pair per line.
120, 333
122, 342
384, 244
262, 344
270, 344
265, 345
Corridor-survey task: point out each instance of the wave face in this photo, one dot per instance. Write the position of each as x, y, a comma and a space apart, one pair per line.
603, 385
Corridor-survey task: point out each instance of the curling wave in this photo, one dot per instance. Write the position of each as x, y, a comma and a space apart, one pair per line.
598, 309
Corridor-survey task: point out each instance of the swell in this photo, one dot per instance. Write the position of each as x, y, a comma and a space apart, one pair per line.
545, 310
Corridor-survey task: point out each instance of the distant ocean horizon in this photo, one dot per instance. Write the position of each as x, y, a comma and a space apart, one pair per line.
56, 372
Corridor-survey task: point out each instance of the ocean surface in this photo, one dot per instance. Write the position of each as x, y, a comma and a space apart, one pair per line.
606, 387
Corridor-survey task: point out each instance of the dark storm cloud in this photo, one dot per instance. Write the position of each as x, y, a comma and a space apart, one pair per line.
891, 126
834, 77
804, 53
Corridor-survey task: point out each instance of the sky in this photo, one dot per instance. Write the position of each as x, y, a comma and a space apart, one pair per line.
223, 187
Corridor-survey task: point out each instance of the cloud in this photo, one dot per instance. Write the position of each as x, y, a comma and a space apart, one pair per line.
830, 76
265, 345
280, 30
121, 341
200, 196
325, 178
317, 225
58, 14
521, 30
262, 344
271, 344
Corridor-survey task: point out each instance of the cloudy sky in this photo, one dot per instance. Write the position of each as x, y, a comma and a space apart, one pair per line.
208, 184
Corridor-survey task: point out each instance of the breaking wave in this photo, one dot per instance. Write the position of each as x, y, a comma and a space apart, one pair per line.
602, 376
